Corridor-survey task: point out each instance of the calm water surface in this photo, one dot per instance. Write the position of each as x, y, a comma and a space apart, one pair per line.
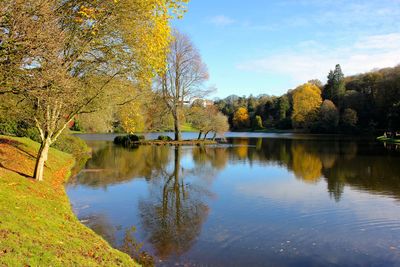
261, 200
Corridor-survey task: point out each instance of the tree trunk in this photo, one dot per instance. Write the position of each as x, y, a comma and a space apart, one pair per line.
205, 135
177, 127
41, 159
214, 136
200, 133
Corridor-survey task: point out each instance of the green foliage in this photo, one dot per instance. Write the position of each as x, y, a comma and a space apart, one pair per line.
335, 88
349, 119
38, 226
128, 140
76, 126
284, 107
373, 97
257, 123
164, 138
75, 146
19, 129
328, 118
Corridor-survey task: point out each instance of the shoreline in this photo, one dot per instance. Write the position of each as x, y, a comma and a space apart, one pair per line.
37, 224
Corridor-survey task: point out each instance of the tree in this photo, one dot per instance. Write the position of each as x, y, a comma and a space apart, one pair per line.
349, 118
183, 78
317, 83
335, 88
219, 125
97, 42
208, 120
132, 118
284, 107
200, 118
328, 117
257, 123
241, 118
306, 102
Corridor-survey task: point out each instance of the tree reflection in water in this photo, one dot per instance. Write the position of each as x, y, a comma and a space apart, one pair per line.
365, 165
173, 214
369, 166
179, 181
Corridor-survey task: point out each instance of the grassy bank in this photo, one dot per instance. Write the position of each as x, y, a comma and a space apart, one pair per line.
37, 225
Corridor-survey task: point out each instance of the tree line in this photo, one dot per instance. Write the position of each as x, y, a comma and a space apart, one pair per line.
354, 104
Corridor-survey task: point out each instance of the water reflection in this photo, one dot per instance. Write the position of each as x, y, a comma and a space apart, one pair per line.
365, 165
374, 168
173, 213
111, 164
219, 201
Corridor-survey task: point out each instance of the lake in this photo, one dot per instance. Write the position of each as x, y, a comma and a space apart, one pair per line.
260, 200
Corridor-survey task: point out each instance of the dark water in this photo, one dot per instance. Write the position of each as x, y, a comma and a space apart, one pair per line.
281, 200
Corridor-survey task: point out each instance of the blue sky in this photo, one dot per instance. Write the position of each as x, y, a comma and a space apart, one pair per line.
270, 46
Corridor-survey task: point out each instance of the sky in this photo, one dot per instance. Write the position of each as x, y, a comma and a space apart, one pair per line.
270, 46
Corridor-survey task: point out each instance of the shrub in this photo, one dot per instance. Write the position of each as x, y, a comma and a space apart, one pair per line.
75, 146
8, 127
71, 144
20, 129
119, 140
132, 138
128, 140
164, 138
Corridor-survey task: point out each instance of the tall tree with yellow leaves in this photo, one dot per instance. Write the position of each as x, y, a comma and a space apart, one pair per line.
306, 102
241, 118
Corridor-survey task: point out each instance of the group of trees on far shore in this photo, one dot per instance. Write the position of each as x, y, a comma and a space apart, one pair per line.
364, 102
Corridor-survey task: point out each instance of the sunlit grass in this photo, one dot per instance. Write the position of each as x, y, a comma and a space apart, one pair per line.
187, 127
37, 225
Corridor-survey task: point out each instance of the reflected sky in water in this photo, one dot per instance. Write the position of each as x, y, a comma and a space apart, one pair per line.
257, 201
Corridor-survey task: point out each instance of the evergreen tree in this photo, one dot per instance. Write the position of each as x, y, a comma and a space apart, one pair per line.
335, 88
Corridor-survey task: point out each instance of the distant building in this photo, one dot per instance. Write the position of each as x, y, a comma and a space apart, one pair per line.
203, 102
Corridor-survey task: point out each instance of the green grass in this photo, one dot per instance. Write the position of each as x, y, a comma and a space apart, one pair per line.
187, 127
37, 225
388, 140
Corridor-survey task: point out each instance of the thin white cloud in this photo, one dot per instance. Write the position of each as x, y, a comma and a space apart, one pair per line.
340, 16
387, 41
221, 20
309, 60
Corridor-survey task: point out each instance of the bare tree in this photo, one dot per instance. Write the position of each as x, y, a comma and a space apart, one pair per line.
183, 79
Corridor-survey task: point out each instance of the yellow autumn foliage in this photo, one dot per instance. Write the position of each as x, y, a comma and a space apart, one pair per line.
140, 27
241, 118
306, 102
306, 166
131, 118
